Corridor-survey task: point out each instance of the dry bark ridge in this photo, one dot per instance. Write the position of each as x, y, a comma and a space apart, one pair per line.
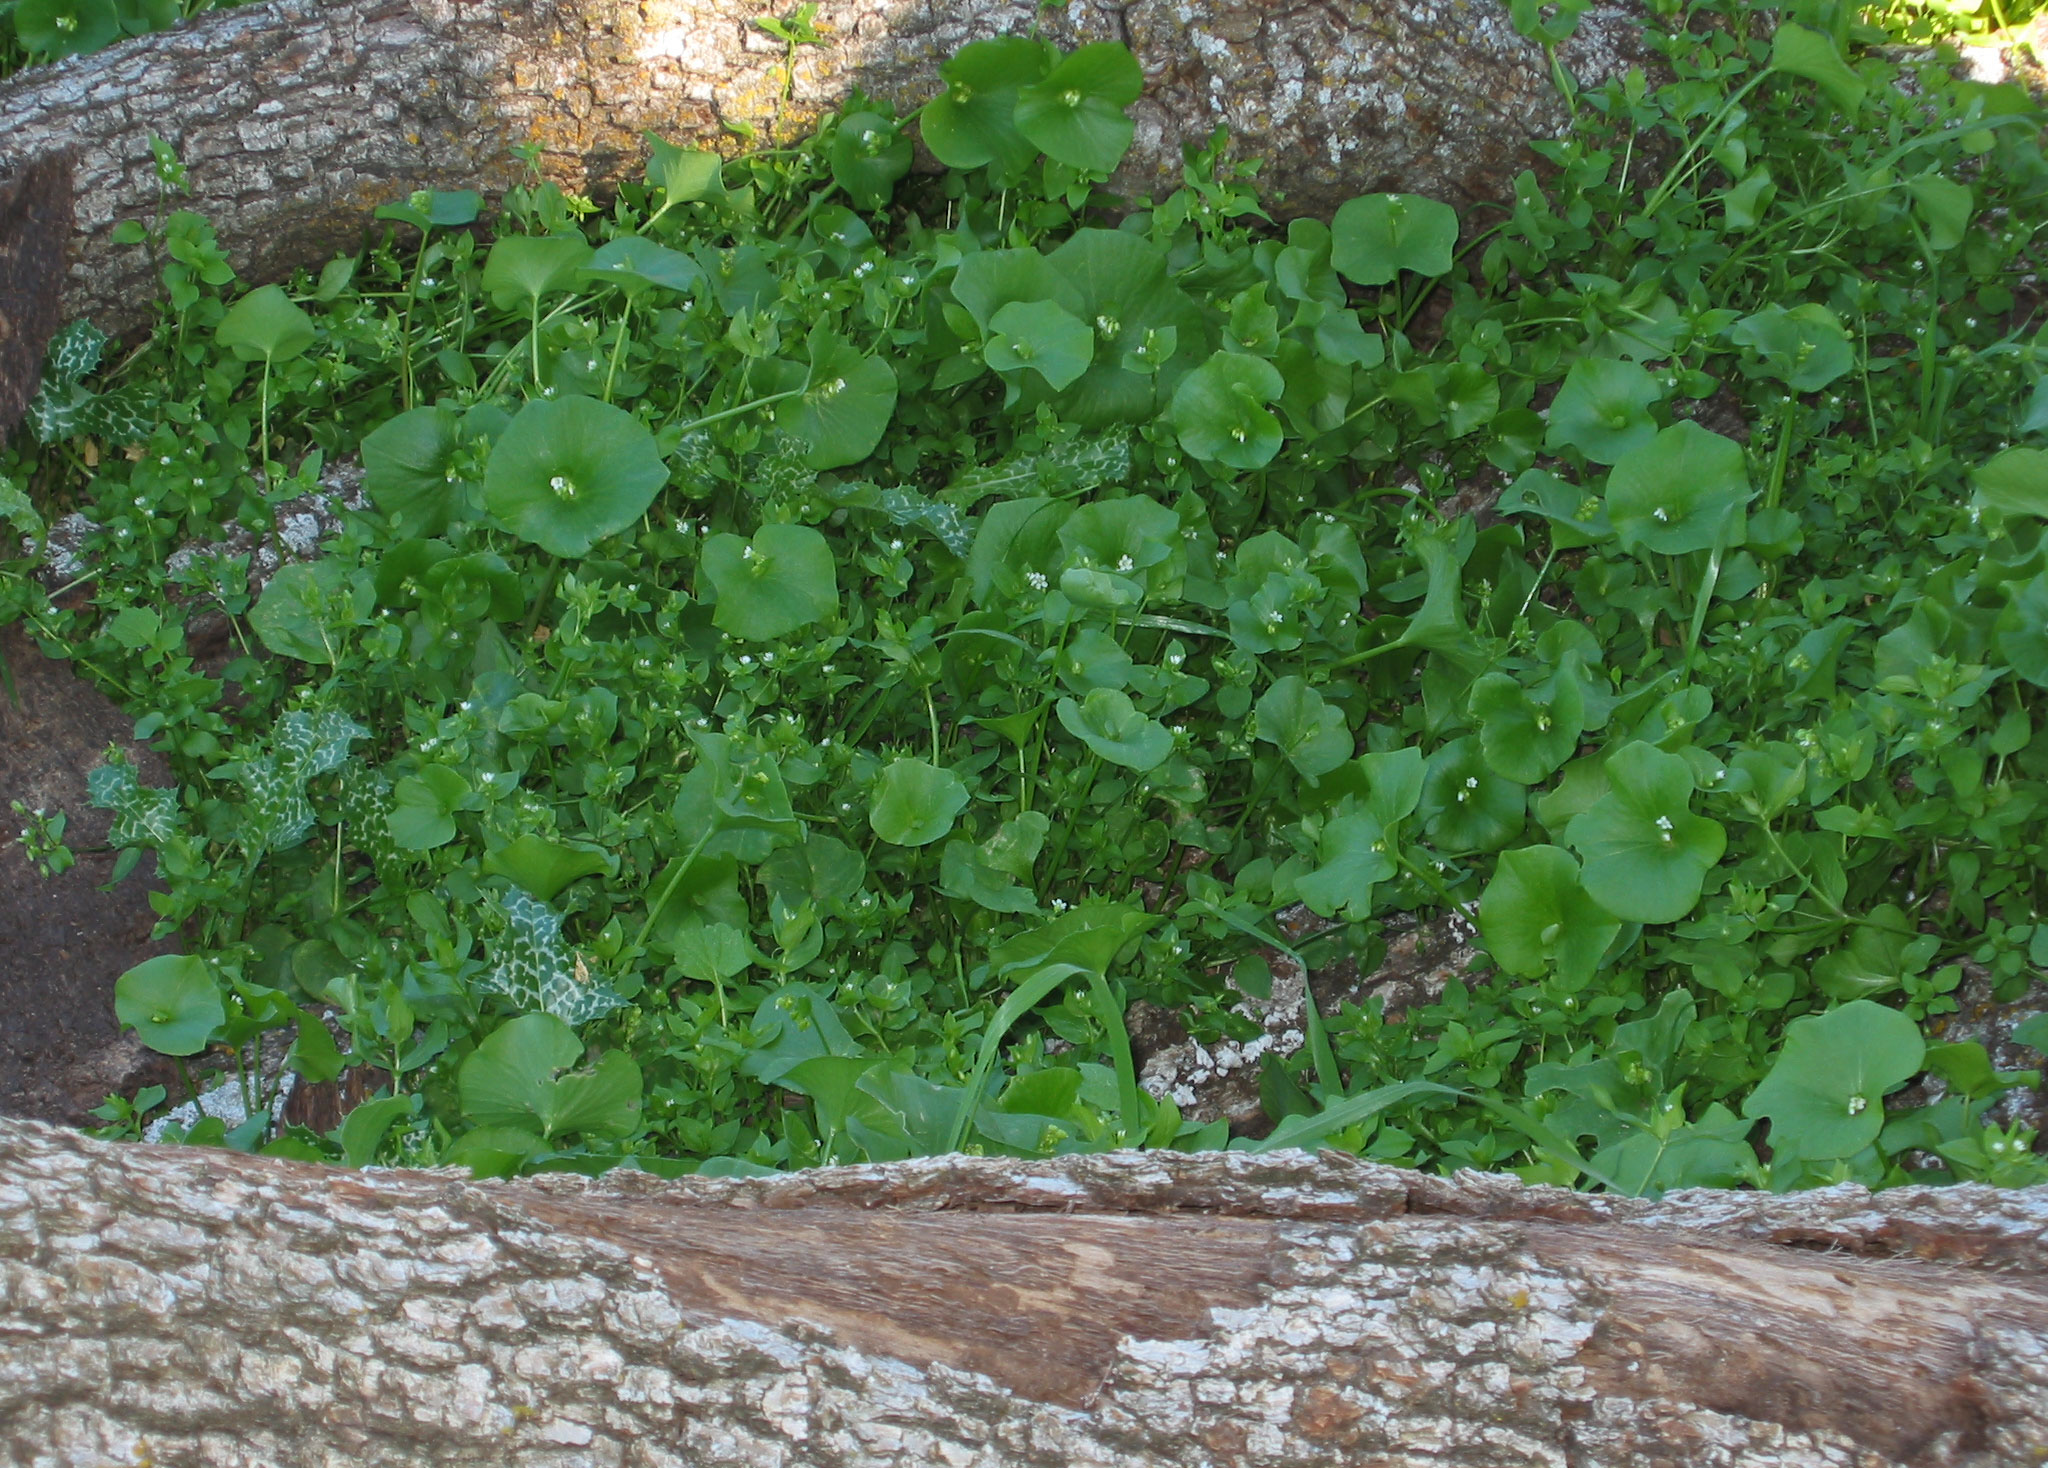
35, 231
194, 1306
296, 118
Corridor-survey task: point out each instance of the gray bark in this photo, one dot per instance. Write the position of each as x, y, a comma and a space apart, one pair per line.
298, 117
181, 1306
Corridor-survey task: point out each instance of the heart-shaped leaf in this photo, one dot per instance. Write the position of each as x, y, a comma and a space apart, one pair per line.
523, 269
1042, 336
1825, 1096
635, 263
1076, 114
1311, 733
544, 867
1376, 237
1354, 855
1798, 51
1680, 492
1526, 734
1219, 411
1806, 348
867, 155
915, 802
1603, 409
265, 326
973, 122
423, 808
1112, 726
684, 175
172, 1001
513, 1079
771, 585
569, 471
845, 407
1647, 855
1537, 918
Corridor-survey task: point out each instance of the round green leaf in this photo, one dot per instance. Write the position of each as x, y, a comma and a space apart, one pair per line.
1679, 492
1603, 409
1825, 1096
1466, 805
867, 155
1526, 734
915, 802
973, 122
512, 1080
172, 1001
635, 263
1043, 336
1219, 411
1376, 237
406, 469
1076, 114
2014, 482
523, 268
54, 28
1108, 723
304, 608
1647, 855
2022, 630
1354, 856
1806, 348
1311, 733
569, 471
768, 587
843, 412
1536, 918
423, 807
265, 326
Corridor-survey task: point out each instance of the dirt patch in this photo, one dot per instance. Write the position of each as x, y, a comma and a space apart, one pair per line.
63, 941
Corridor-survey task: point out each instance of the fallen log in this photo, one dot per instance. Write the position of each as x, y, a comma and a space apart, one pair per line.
175, 1305
296, 119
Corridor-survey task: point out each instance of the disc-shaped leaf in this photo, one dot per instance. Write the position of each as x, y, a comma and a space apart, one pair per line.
1647, 855
54, 28
915, 802
423, 808
2014, 482
1525, 734
524, 268
1603, 409
1311, 733
973, 122
1042, 336
406, 470
1112, 726
1679, 492
511, 1079
635, 263
770, 586
1076, 114
1219, 411
569, 471
841, 415
1801, 52
2022, 630
1825, 1096
1467, 807
1537, 919
173, 1002
265, 326
545, 867
1354, 855
305, 607
1376, 237
1806, 348
684, 175
867, 155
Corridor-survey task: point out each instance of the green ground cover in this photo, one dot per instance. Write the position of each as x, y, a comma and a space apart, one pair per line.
827, 639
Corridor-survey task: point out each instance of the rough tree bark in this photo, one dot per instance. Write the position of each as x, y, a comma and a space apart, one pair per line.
165, 1306
296, 118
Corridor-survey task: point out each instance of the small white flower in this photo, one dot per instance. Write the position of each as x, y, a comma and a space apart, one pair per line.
1036, 579
1123, 563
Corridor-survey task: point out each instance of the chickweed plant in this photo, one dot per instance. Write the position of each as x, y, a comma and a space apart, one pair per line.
825, 640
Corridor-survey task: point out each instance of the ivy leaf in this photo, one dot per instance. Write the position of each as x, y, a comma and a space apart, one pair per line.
534, 970
973, 122
570, 471
1219, 411
1680, 492
845, 406
1354, 854
1043, 336
1112, 726
1076, 114
915, 802
1825, 1095
1603, 409
172, 1001
1647, 855
1311, 733
768, 587
1537, 918
1377, 236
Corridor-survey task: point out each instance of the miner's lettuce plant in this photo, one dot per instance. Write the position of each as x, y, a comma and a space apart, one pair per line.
823, 641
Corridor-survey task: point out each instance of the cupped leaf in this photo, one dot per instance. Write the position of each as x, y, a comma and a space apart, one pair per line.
1042, 336
1076, 114
2014, 482
845, 405
265, 326
1219, 411
1467, 806
1526, 734
305, 609
545, 867
1603, 409
973, 122
514, 1079
1311, 733
915, 802
635, 263
407, 469
172, 1001
1113, 727
867, 154
54, 28
569, 471
1800, 52
1376, 237
1680, 492
1537, 918
768, 587
524, 269
1825, 1096
1647, 855
1354, 854
1806, 347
